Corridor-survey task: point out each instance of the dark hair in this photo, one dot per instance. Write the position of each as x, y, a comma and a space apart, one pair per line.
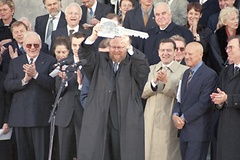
77, 35
61, 41
113, 15
18, 23
194, 5
168, 40
126, 0
45, 1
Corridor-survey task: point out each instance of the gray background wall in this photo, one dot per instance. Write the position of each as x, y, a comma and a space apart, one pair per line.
33, 8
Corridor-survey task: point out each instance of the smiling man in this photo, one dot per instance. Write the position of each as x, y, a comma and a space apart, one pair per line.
73, 16
160, 92
32, 87
47, 23
192, 113
112, 126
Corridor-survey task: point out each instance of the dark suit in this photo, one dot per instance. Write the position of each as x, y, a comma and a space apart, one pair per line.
101, 11
209, 7
212, 21
197, 109
30, 107
41, 24
68, 117
134, 20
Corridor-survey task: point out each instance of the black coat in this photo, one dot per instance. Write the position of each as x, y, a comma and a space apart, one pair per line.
130, 80
217, 53
5, 32
229, 122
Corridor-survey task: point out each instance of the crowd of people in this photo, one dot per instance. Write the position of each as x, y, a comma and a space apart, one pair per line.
171, 96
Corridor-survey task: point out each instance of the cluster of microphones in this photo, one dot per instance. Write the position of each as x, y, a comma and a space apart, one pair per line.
71, 66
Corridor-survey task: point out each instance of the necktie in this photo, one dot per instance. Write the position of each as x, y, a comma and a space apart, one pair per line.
115, 67
91, 12
22, 50
236, 69
50, 27
30, 61
145, 18
189, 77
71, 32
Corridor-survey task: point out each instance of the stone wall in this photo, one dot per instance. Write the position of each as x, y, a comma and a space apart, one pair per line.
33, 8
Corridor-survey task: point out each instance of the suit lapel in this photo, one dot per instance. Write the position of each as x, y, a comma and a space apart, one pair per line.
191, 84
40, 61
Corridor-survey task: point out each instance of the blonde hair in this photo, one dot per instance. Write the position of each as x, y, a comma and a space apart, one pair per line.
224, 15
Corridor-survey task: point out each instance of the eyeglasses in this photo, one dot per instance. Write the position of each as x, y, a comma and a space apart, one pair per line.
117, 47
34, 45
180, 49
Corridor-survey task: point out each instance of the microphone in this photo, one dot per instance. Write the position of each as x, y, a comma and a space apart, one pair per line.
82, 62
65, 61
74, 66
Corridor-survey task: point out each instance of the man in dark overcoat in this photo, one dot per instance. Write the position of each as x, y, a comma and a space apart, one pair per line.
113, 126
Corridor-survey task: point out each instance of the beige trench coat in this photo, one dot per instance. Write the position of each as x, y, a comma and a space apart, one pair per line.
161, 141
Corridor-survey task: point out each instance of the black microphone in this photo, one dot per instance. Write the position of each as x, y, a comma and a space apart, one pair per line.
74, 66
65, 61
81, 62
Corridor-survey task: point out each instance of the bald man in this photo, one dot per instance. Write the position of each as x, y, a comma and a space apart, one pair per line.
193, 110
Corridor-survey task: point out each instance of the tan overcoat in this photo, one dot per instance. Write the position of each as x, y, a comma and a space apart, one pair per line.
161, 141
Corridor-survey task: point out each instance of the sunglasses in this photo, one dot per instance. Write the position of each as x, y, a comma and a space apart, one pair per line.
34, 45
180, 48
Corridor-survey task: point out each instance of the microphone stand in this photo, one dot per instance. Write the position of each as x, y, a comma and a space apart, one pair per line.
53, 113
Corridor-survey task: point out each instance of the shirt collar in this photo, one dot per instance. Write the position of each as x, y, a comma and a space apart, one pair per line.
194, 69
57, 16
76, 29
93, 7
34, 59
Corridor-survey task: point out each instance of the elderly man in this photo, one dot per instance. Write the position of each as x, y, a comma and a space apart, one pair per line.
113, 126
192, 113
165, 29
160, 92
32, 90
45, 24
227, 99
73, 16
93, 11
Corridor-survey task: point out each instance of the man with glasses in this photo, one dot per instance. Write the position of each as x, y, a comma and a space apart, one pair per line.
112, 126
180, 48
226, 98
32, 87
160, 92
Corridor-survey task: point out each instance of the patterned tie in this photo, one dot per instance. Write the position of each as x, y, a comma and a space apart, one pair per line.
189, 77
30, 61
71, 32
50, 27
236, 69
145, 18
